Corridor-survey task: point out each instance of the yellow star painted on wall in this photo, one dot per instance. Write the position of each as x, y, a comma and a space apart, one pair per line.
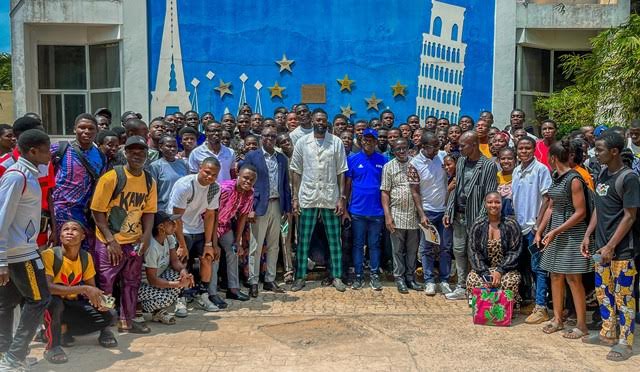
276, 90
347, 111
285, 64
345, 83
223, 88
398, 89
373, 102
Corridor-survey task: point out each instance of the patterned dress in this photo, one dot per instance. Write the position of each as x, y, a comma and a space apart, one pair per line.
510, 280
563, 253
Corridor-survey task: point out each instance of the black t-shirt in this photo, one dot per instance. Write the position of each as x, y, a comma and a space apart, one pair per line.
610, 210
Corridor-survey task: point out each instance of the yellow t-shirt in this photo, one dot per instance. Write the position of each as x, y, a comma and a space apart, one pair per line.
484, 149
132, 203
70, 272
504, 179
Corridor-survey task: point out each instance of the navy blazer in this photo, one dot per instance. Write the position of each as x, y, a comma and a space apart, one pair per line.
261, 188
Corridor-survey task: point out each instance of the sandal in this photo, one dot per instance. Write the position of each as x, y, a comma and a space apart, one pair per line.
107, 339
574, 334
162, 316
56, 355
552, 327
137, 328
619, 353
599, 340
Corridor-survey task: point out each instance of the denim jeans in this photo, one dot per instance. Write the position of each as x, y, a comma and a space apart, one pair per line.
366, 230
427, 250
540, 275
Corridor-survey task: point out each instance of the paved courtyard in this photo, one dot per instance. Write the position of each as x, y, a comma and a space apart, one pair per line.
319, 329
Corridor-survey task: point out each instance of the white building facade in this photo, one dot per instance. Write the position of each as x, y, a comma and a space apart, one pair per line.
72, 56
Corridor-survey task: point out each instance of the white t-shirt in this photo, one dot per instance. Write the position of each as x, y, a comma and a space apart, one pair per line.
226, 157
192, 220
157, 256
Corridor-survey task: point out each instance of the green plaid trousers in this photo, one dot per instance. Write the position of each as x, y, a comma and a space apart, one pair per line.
308, 217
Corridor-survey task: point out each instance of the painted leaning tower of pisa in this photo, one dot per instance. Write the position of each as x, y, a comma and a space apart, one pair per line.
442, 64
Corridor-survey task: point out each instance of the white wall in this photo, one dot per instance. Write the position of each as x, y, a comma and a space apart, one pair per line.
78, 22
504, 56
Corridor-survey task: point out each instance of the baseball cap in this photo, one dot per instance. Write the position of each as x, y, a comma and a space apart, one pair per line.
136, 141
162, 217
103, 111
370, 132
599, 129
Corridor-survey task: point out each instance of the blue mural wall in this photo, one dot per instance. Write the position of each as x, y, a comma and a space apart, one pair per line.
376, 43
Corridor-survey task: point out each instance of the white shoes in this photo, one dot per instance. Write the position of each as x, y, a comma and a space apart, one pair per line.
181, 308
459, 294
444, 288
206, 304
430, 289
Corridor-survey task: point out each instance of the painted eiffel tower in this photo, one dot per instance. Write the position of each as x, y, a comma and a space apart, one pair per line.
171, 93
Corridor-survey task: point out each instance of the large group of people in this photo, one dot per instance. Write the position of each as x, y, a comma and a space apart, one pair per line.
132, 217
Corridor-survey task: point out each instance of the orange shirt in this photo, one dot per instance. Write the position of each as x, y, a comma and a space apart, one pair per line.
585, 176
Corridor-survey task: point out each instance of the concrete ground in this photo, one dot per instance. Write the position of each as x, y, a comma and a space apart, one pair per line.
320, 329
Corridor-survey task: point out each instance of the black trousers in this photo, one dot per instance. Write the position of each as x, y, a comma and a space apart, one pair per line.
28, 286
79, 315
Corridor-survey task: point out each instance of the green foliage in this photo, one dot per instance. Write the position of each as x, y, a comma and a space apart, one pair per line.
5, 71
607, 82
571, 108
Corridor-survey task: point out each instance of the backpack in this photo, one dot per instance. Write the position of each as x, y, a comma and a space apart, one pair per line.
618, 186
121, 181
589, 198
58, 258
211, 192
62, 149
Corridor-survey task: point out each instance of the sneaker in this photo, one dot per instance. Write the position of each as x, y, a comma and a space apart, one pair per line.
9, 365
444, 288
538, 315
204, 302
339, 285
459, 294
375, 282
430, 289
218, 301
357, 283
297, 285
181, 308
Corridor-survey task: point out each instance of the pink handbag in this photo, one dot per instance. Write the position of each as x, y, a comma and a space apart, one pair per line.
492, 306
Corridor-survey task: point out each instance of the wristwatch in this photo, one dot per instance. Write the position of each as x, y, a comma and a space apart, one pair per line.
208, 244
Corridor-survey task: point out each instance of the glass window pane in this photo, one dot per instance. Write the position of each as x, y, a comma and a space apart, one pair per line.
51, 111
559, 80
528, 105
110, 100
535, 74
104, 60
61, 67
74, 105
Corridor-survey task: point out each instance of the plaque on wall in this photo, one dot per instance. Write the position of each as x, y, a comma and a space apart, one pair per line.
314, 93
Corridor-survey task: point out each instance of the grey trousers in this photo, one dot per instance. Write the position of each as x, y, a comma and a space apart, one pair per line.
266, 227
460, 250
225, 242
404, 245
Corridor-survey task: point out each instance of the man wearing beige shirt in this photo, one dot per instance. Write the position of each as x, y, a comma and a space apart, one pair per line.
318, 165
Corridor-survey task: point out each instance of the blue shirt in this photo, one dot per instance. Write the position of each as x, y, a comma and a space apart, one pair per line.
366, 176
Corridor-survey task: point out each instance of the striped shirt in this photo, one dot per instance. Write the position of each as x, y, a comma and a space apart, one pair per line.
483, 180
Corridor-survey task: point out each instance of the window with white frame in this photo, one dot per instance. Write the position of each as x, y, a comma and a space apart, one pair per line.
73, 79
